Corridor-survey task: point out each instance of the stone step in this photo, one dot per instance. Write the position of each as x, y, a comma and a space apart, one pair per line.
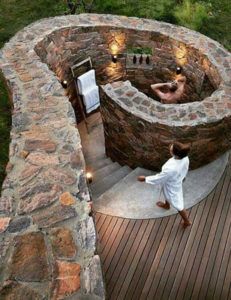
105, 171
98, 163
129, 198
128, 195
106, 183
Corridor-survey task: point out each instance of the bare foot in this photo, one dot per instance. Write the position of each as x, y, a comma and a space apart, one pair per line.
163, 205
186, 224
141, 178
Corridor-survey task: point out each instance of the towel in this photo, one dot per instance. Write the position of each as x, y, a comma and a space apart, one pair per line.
86, 81
91, 99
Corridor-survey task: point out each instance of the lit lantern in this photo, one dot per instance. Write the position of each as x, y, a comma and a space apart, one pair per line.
64, 84
89, 177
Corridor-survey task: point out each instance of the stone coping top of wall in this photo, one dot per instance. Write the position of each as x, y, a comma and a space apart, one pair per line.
43, 205
136, 102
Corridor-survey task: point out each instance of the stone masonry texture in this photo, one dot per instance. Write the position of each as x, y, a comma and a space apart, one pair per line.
47, 238
138, 130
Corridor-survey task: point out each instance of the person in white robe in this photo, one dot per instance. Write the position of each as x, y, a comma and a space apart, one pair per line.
171, 178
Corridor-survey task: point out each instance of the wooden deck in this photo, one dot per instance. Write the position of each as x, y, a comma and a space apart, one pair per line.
158, 259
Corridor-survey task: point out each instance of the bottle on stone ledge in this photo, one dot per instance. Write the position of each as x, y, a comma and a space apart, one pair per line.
134, 59
141, 59
147, 60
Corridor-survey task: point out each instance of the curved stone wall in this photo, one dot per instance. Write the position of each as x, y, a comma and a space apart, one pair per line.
138, 130
64, 47
47, 236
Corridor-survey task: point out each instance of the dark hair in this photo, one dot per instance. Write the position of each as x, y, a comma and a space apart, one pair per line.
173, 88
180, 150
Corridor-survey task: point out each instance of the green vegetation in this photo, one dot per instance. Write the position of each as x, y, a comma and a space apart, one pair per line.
16, 14
5, 121
139, 50
211, 17
191, 15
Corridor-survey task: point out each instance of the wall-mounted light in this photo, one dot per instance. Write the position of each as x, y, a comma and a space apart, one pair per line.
89, 177
114, 48
64, 84
114, 58
114, 52
178, 70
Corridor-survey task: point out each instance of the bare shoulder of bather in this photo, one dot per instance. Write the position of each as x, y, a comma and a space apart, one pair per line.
171, 92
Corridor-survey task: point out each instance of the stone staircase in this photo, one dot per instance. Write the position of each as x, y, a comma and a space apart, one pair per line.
115, 190
106, 174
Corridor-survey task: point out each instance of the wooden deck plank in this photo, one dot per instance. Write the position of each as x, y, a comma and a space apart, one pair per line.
187, 259
164, 257
96, 217
117, 255
107, 233
145, 255
157, 258
155, 238
120, 280
115, 245
219, 264
112, 279
100, 222
220, 229
179, 242
136, 257
200, 241
184, 242
224, 277
105, 226
212, 227
226, 289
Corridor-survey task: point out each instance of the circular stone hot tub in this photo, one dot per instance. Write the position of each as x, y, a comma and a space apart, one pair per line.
139, 129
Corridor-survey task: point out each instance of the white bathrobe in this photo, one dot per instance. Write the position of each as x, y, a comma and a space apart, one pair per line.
171, 177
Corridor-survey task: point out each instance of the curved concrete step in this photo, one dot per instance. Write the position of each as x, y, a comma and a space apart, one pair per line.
107, 182
136, 200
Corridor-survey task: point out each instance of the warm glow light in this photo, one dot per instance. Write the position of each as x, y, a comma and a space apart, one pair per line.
114, 48
89, 177
64, 84
181, 55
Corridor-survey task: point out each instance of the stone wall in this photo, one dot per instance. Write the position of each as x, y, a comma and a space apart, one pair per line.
47, 237
47, 234
138, 130
65, 47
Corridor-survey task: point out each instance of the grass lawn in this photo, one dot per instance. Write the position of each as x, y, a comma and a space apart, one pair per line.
16, 14
5, 124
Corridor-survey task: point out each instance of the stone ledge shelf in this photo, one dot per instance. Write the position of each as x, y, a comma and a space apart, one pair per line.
47, 245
